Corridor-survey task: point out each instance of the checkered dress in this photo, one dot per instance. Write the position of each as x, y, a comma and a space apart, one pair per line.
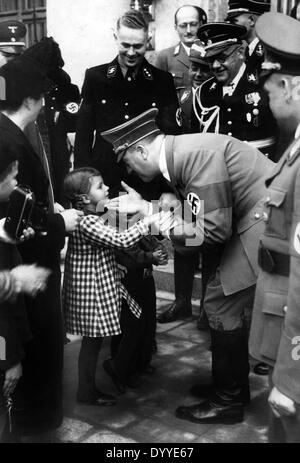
92, 288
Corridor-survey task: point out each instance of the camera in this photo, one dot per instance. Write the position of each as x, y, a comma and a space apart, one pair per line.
21, 202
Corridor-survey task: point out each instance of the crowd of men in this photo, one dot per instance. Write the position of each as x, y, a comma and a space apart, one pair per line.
214, 122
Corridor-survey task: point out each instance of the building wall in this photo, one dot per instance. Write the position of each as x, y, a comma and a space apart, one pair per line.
84, 31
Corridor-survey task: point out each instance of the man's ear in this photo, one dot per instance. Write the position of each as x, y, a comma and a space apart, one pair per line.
28, 103
251, 20
115, 34
143, 151
287, 88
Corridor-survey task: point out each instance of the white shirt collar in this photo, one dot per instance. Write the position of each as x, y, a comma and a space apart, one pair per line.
229, 89
163, 161
187, 49
252, 45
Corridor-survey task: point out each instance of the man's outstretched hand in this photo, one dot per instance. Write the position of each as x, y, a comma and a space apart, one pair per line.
130, 203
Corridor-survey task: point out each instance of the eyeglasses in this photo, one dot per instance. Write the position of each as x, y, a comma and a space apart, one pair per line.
193, 24
221, 57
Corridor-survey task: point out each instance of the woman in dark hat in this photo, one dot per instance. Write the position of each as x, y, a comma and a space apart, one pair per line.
42, 367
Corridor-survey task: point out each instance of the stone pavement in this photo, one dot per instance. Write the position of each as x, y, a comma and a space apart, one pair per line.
146, 415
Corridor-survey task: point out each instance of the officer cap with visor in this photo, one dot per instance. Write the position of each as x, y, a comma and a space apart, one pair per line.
12, 35
237, 7
125, 135
281, 56
220, 37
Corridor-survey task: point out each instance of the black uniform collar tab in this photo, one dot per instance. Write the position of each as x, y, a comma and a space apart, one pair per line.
112, 70
147, 73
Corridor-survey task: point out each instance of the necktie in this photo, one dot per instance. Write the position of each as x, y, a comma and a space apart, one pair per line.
247, 54
129, 76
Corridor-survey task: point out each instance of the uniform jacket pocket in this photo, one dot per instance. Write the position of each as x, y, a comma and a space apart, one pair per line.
276, 221
273, 318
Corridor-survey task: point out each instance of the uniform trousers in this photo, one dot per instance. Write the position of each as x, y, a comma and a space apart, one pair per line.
226, 313
229, 339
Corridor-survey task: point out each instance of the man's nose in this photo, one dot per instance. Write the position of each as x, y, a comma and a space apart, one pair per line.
216, 64
188, 28
131, 51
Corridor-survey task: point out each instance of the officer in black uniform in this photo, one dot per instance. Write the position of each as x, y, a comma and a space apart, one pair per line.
246, 13
275, 330
60, 113
115, 92
58, 117
232, 102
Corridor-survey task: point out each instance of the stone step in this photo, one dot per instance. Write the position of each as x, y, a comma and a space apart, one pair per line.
164, 279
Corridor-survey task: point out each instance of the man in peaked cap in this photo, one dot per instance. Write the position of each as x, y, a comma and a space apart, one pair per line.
232, 102
245, 13
12, 44
221, 182
175, 59
275, 330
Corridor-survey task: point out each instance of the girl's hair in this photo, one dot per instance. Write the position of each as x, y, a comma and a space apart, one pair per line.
77, 184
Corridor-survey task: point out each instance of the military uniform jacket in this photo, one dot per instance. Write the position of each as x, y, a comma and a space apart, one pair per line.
275, 327
109, 100
176, 61
244, 115
223, 181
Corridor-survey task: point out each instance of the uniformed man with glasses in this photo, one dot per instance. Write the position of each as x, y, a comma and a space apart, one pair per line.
232, 102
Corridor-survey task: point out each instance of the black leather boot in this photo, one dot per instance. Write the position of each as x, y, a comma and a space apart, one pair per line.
230, 366
230, 388
184, 270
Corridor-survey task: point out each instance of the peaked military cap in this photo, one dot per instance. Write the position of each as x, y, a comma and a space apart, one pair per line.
125, 135
237, 7
197, 53
219, 36
12, 34
280, 55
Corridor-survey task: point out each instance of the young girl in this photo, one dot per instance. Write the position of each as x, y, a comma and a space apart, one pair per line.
92, 289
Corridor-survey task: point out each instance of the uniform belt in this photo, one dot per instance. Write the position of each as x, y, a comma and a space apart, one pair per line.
263, 143
273, 262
